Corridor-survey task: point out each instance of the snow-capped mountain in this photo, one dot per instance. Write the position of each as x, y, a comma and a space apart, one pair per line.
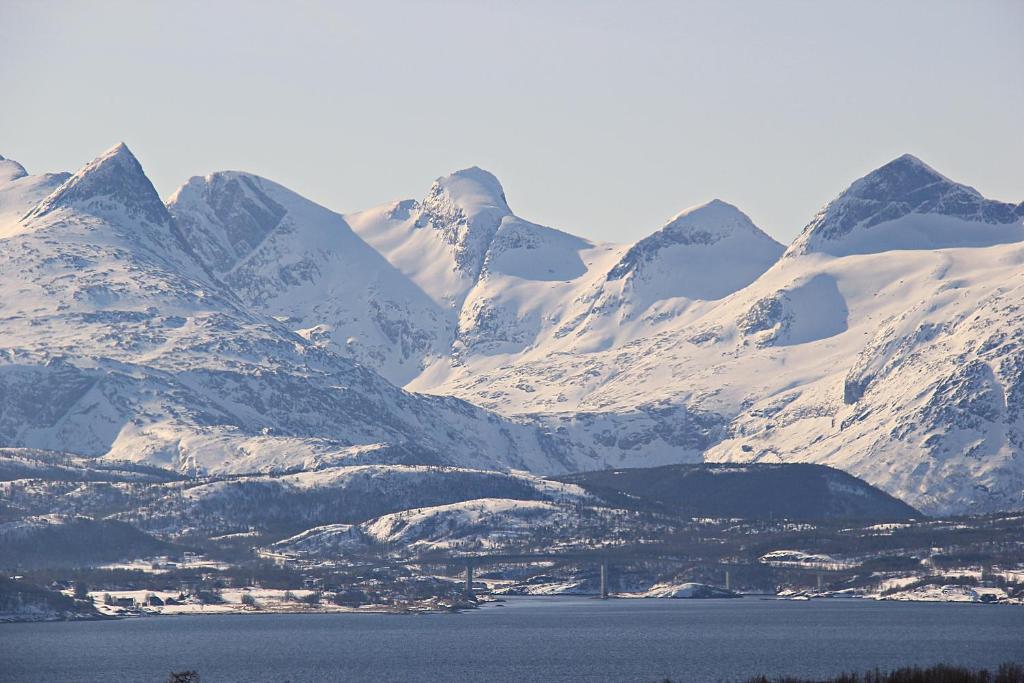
885, 349
519, 290
119, 341
906, 204
287, 257
241, 328
715, 245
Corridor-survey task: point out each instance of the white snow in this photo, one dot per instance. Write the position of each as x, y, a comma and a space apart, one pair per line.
222, 339
117, 342
798, 558
299, 262
684, 590
19, 192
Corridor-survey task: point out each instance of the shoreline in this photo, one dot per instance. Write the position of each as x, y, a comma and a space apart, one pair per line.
147, 613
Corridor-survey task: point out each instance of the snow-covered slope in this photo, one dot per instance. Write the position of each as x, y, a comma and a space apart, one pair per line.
288, 257
921, 395
517, 290
220, 335
20, 191
118, 341
888, 351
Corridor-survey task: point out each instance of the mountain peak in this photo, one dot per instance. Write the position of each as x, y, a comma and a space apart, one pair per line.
699, 226
902, 187
909, 160
114, 180
714, 214
472, 189
225, 215
120, 149
11, 170
466, 208
904, 174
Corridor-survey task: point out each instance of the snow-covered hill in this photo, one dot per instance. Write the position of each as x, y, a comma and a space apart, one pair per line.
331, 496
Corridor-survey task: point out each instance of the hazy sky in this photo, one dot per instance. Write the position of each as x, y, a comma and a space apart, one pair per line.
601, 118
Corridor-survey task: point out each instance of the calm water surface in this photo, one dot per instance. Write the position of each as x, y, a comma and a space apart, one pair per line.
529, 639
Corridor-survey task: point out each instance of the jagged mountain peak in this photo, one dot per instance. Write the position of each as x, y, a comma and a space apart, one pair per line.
120, 150
114, 180
920, 207
899, 180
465, 208
715, 203
443, 242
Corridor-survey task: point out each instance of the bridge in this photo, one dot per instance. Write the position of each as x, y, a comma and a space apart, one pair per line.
599, 557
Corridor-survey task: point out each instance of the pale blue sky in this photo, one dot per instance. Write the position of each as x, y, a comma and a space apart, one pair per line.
601, 118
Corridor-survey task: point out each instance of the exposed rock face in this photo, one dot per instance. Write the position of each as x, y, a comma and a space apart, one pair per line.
113, 182
289, 258
225, 217
904, 187
465, 209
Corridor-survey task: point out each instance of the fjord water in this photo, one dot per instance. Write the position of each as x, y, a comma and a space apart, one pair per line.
528, 639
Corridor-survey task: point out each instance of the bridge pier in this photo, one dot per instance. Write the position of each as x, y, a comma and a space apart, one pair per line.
604, 579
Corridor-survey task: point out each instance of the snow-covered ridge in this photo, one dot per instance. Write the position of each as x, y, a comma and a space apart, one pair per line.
289, 258
540, 290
